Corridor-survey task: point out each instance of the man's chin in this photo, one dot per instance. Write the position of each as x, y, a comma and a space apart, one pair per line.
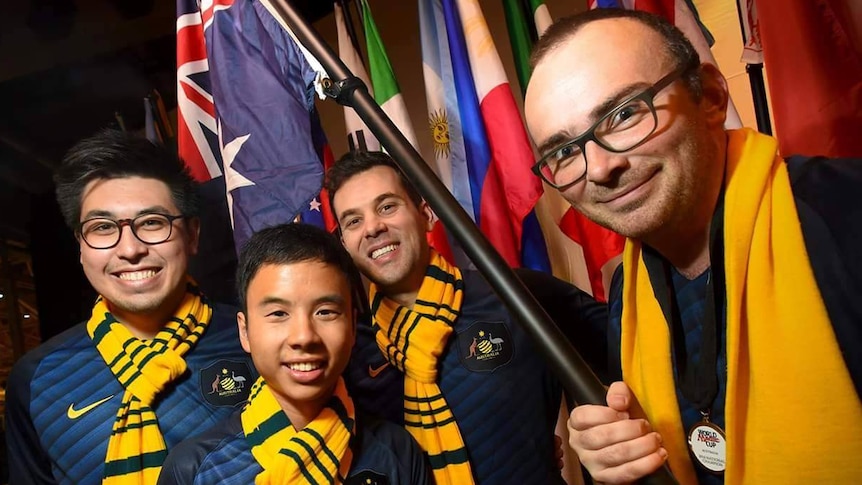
136, 307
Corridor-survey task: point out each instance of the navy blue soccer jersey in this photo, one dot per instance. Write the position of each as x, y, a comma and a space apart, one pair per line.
503, 396
62, 401
691, 298
383, 454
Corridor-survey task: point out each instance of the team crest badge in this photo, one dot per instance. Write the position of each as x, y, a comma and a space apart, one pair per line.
485, 346
226, 383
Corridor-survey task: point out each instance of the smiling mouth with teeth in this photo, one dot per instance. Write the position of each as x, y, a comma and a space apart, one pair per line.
304, 366
384, 250
137, 275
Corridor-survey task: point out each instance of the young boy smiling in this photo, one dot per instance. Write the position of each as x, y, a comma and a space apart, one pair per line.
299, 426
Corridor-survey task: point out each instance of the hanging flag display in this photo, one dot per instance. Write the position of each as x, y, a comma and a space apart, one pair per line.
588, 256
386, 90
812, 52
258, 124
496, 151
359, 137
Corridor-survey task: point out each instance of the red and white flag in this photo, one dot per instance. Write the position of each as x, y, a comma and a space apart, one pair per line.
812, 51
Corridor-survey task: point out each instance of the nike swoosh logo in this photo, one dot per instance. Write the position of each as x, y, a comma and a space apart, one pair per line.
376, 372
73, 413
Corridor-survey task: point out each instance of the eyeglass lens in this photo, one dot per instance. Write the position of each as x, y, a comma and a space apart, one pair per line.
621, 129
105, 233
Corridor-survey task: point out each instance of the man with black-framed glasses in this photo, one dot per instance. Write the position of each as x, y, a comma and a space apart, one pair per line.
156, 362
735, 313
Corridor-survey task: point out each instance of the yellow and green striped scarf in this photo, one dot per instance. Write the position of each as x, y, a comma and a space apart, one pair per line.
136, 449
412, 341
318, 454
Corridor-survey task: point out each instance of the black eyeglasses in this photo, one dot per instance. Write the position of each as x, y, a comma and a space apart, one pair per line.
104, 233
623, 128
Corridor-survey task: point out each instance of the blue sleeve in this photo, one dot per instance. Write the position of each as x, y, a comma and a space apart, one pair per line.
28, 461
387, 450
420, 470
185, 460
830, 213
582, 319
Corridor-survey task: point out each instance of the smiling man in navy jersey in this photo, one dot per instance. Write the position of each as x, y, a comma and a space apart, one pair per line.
442, 356
156, 362
298, 322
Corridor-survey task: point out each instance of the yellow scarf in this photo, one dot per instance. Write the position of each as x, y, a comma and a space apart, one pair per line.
792, 414
318, 454
137, 449
412, 341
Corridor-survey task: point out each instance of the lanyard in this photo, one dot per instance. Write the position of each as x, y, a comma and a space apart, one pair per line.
698, 382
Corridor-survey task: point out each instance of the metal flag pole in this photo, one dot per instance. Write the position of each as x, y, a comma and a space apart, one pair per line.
574, 374
758, 95
755, 78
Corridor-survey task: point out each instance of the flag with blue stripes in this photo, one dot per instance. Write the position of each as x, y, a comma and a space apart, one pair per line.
487, 149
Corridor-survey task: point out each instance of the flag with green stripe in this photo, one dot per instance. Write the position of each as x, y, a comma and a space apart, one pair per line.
359, 137
525, 27
386, 90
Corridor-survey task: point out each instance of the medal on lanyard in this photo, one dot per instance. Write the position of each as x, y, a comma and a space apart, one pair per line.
698, 383
707, 445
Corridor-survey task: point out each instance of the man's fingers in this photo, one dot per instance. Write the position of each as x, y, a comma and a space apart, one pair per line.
588, 416
610, 434
619, 396
621, 453
633, 470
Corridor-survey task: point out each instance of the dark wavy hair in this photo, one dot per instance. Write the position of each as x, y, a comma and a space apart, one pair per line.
354, 163
113, 154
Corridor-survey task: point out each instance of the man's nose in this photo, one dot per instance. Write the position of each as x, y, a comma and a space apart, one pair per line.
602, 164
373, 226
301, 332
130, 247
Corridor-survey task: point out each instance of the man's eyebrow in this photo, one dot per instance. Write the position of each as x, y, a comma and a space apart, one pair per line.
336, 298
277, 300
155, 209
615, 99
347, 213
269, 300
97, 213
597, 112
380, 198
554, 141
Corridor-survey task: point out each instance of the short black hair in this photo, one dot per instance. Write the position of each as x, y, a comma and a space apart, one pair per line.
112, 154
354, 163
295, 243
678, 48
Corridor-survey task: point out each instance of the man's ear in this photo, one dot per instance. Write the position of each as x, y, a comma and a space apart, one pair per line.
715, 95
428, 215
242, 326
193, 224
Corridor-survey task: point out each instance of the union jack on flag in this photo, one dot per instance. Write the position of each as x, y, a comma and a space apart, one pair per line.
197, 135
246, 110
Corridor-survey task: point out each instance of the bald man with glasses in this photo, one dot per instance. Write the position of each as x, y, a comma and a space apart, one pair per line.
735, 315
157, 361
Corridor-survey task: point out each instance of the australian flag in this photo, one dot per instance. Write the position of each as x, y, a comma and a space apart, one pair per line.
260, 84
